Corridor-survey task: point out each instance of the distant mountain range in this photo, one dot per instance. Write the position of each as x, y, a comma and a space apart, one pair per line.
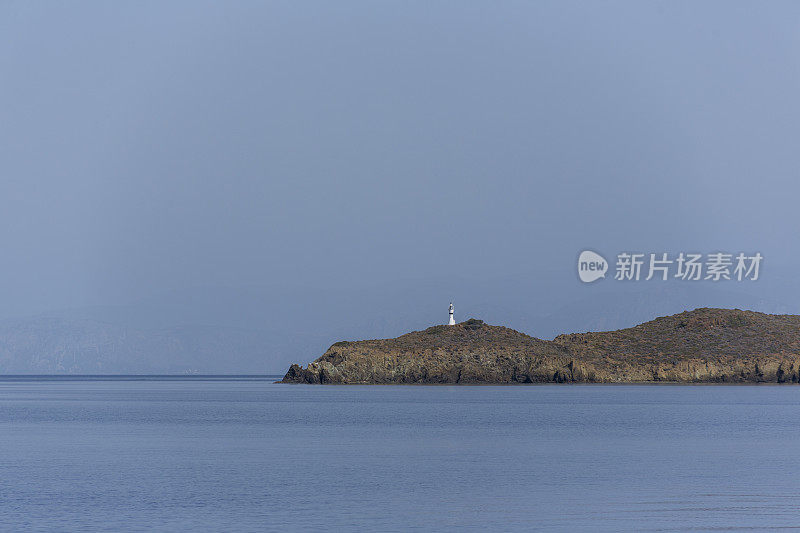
263, 330
80, 346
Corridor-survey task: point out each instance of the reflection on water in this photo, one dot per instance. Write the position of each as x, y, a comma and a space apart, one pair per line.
247, 454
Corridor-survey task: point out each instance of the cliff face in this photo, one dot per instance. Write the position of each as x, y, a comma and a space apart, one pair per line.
704, 345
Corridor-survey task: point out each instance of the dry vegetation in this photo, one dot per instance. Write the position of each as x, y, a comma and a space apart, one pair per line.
704, 345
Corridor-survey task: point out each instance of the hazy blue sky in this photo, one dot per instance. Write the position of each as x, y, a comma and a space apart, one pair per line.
147, 147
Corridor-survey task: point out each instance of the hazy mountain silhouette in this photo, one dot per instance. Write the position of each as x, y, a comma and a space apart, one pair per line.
263, 329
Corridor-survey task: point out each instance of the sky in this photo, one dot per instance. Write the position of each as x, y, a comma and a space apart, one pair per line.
156, 148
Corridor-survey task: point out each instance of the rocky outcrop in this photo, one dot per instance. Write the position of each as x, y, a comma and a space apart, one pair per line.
700, 346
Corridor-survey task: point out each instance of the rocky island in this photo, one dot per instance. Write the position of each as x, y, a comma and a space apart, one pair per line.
700, 346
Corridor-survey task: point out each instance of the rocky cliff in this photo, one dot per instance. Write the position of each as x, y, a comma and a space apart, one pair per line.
700, 346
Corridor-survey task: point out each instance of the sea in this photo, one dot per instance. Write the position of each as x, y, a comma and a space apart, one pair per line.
241, 453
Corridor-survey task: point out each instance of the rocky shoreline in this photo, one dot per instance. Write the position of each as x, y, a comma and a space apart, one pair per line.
700, 346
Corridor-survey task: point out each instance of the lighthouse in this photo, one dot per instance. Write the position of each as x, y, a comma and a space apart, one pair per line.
452, 320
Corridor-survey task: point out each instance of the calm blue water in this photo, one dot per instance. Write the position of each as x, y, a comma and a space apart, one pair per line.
222, 455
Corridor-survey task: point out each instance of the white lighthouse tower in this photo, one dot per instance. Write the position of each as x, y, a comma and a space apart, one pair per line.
452, 320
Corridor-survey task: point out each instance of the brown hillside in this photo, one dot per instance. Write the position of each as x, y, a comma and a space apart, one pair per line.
704, 345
